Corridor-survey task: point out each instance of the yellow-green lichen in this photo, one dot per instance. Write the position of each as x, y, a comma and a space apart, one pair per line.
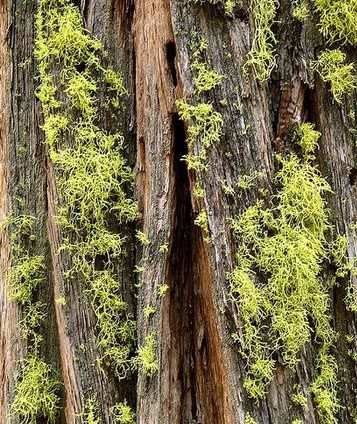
332, 68
286, 244
338, 20
92, 177
163, 288
35, 392
202, 222
149, 311
227, 4
261, 57
299, 399
204, 122
308, 139
146, 359
301, 10
249, 419
90, 413
36, 388
205, 78
123, 414
204, 130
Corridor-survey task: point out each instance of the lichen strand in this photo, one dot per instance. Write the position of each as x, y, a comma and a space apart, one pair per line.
146, 359
92, 175
300, 10
123, 414
261, 57
332, 68
249, 420
338, 20
345, 267
204, 123
227, 4
204, 130
287, 245
36, 390
308, 139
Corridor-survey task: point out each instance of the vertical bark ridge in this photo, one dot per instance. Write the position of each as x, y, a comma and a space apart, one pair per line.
190, 382
8, 313
155, 104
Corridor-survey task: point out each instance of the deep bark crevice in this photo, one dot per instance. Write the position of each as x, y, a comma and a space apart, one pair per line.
353, 176
192, 313
171, 56
181, 314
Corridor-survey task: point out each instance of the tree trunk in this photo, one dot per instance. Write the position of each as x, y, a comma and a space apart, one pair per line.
188, 362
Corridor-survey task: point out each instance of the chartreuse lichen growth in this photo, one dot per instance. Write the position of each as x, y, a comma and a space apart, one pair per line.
204, 130
228, 4
299, 399
308, 139
261, 57
146, 359
123, 414
345, 266
205, 78
283, 310
202, 222
300, 10
204, 123
249, 420
90, 413
35, 392
36, 388
332, 68
338, 20
92, 176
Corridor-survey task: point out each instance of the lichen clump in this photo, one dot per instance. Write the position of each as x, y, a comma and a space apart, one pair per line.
286, 244
338, 20
36, 387
308, 139
204, 130
227, 4
146, 359
36, 392
123, 414
332, 68
92, 176
261, 57
300, 10
204, 122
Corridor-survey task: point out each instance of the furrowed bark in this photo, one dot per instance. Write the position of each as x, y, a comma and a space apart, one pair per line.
7, 310
83, 378
201, 369
23, 191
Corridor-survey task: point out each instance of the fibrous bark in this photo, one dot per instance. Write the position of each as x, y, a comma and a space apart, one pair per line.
200, 367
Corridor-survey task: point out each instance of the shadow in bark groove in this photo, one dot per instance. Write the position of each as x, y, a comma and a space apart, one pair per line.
181, 314
194, 360
171, 56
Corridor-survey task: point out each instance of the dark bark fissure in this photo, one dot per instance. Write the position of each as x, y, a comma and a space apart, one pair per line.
191, 315
182, 306
170, 56
353, 176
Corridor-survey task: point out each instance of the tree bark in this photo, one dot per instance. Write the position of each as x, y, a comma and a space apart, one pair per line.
200, 369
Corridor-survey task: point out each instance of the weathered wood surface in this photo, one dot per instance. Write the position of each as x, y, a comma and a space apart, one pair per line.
200, 377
